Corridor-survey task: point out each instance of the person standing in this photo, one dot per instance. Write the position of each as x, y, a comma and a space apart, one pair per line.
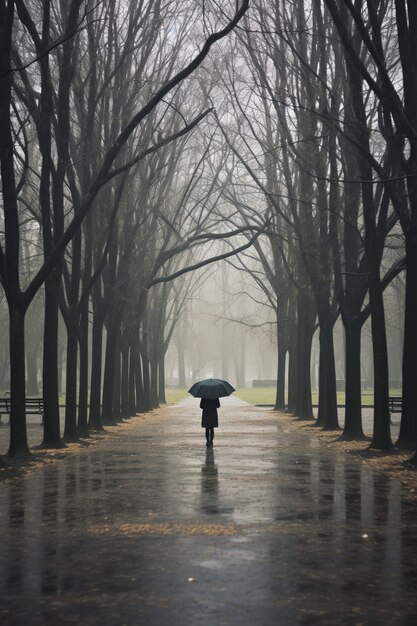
209, 418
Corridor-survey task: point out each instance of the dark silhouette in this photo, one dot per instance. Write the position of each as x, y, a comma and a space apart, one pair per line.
210, 484
209, 418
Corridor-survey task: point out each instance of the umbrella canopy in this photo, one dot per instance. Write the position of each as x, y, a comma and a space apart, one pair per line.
211, 388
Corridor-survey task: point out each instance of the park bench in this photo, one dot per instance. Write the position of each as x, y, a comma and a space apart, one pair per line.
395, 405
33, 406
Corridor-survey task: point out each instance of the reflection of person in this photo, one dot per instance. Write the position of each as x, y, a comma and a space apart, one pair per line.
209, 418
209, 484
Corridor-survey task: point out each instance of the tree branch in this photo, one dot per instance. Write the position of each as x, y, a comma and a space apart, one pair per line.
158, 145
219, 257
114, 150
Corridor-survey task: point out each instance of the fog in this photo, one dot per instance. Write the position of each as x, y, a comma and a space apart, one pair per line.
224, 332
228, 330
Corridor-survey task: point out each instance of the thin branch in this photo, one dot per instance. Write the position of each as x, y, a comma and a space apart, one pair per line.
219, 257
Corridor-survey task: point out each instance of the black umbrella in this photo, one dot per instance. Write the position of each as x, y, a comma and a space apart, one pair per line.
211, 388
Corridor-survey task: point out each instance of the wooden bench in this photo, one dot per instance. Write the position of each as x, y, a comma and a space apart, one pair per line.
33, 406
395, 404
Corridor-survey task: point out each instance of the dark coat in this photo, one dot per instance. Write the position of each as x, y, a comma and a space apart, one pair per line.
209, 419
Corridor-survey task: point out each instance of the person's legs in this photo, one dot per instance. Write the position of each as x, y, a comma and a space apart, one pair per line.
211, 435
208, 435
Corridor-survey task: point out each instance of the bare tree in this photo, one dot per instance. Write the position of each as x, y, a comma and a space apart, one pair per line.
57, 232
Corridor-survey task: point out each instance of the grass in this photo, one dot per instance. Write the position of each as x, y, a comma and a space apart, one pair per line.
257, 395
175, 395
266, 395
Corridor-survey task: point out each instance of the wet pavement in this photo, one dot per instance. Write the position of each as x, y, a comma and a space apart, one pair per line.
35, 427
148, 526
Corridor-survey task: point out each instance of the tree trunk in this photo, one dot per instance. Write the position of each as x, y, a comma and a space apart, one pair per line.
32, 370
109, 371
154, 383
161, 379
146, 395
353, 393
117, 379
61, 354
304, 407
125, 380
292, 378
381, 438
280, 393
18, 439
306, 314
408, 427
51, 431
82, 428
4, 366
94, 421
140, 404
182, 381
70, 431
132, 394
83, 308
327, 413
292, 359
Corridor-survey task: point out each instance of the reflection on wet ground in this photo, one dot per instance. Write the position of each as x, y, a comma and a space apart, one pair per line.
151, 527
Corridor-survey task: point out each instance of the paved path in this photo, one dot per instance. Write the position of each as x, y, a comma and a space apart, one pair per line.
35, 427
148, 527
